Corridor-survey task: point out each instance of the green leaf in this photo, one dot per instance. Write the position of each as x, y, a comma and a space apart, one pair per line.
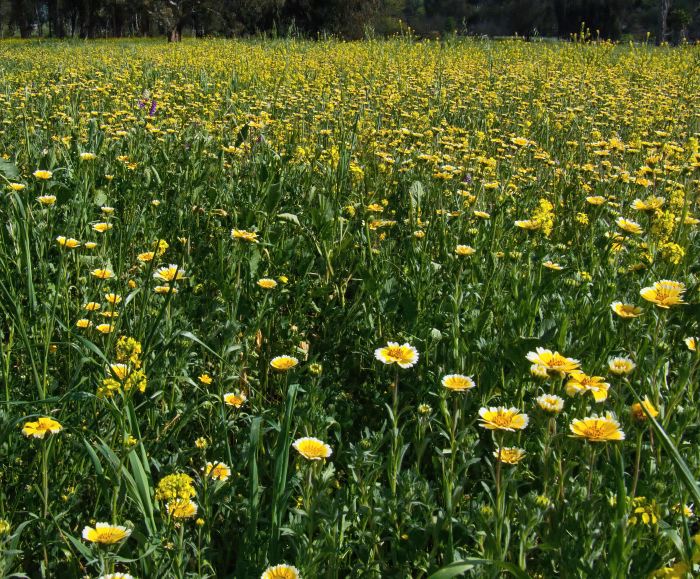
9, 169
461, 567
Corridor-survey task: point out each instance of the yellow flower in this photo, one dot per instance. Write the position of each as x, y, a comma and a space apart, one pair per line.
146, 256
621, 365
312, 448
664, 293
644, 511
553, 361
41, 427
482, 214
501, 418
165, 289
4, 527
629, 226
181, 508
46, 199
550, 403
102, 273
235, 399
105, 534
509, 454
595, 200
201, 443
83, 323
267, 283
626, 310
175, 486
69, 242
90, 245
88, 156
539, 371
17, 186
405, 356
465, 250
692, 344
42, 175
597, 428
121, 371
528, 224
649, 204
105, 328
205, 379
458, 382
281, 572
116, 576
580, 383
243, 235
283, 363
169, 273
102, 227
218, 471
552, 265
637, 409
113, 299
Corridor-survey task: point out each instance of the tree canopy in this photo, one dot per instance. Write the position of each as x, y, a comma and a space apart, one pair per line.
662, 20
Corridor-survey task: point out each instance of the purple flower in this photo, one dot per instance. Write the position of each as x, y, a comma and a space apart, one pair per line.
152, 110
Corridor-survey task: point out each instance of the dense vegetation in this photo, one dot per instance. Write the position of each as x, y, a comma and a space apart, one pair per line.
207, 246
664, 20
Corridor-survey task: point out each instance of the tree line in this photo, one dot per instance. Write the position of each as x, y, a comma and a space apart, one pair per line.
661, 20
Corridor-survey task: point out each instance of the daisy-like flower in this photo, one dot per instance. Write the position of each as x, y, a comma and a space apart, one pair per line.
92, 306
267, 283
243, 235
46, 199
458, 382
553, 361
41, 427
692, 344
528, 224
90, 245
597, 428
312, 448
205, 379
17, 186
217, 471
181, 508
550, 403
169, 273
113, 299
83, 323
595, 200
116, 576
283, 363
509, 454
552, 265
102, 273
664, 293
405, 356
102, 227
106, 534
637, 409
502, 418
580, 383
626, 310
121, 371
146, 256
621, 365
42, 175
105, 328
88, 156
235, 399
282, 571
68, 242
465, 250
165, 289
649, 204
629, 226
482, 215
539, 371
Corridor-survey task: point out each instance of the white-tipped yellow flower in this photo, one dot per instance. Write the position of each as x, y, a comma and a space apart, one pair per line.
312, 448
458, 382
405, 355
106, 534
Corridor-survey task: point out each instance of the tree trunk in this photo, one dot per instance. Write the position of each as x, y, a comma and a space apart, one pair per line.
664, 8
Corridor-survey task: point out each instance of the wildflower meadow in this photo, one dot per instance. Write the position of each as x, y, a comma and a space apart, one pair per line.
385, 309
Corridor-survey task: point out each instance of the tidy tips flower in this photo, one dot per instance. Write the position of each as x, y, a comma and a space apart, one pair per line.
106, 534
41, 427
458, 382
501, 418
312, 448
281, 572
283, 363
405, 356
597, 428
